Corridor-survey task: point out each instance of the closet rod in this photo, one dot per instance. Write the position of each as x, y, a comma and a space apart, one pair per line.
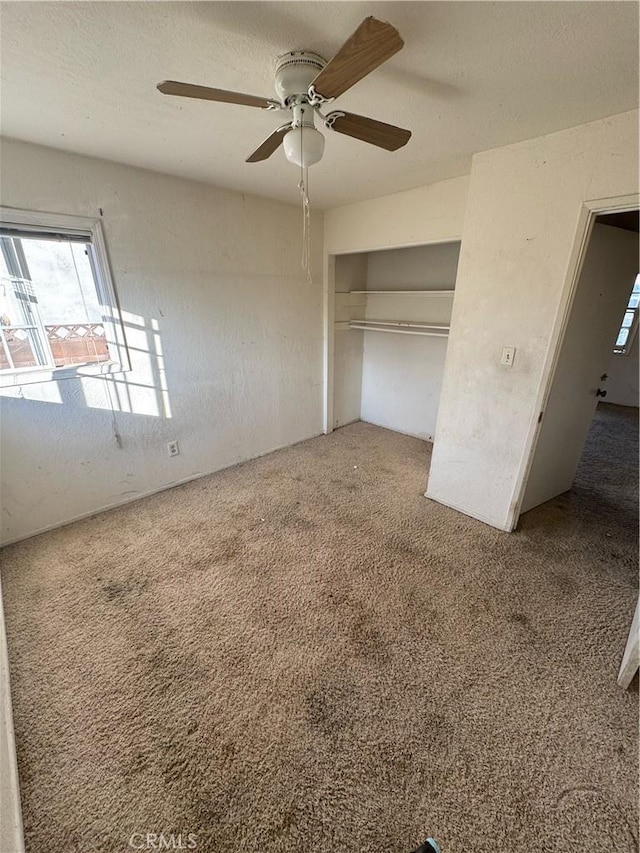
396, 331
400, 323
403, 292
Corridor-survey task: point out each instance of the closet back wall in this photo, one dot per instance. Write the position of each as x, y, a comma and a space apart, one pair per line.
402, 374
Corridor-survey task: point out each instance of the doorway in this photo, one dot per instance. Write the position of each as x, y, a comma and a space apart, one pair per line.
597, 358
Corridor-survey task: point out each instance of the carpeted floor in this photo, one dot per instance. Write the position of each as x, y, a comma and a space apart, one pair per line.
304, 654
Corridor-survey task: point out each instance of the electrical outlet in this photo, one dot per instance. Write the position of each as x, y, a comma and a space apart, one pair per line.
173, 448
508, 355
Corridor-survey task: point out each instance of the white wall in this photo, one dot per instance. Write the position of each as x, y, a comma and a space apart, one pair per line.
401, 382
431, 267
212, 277
524, 209
402, 374
623, 386
428, 214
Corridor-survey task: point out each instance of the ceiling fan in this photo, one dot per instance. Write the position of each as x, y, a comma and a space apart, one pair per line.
304, 82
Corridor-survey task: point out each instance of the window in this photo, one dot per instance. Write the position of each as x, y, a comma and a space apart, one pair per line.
58, 312
629, 325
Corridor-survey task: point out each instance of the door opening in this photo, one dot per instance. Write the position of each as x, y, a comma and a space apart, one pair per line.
598, 361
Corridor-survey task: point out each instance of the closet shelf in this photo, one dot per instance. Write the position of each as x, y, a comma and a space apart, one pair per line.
404, 292
400, 327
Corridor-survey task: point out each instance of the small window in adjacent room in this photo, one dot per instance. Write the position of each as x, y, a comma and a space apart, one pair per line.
629, 325
58, 312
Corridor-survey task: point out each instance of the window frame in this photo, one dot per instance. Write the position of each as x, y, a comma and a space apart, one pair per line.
90, 229
625, 350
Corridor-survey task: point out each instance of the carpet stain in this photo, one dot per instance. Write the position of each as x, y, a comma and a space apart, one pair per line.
563, 583
119, 591
328, 709
367, 640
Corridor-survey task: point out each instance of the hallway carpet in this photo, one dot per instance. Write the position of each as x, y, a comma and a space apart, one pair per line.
302, 653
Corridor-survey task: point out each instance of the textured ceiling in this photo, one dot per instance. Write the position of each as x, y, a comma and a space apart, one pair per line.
472, 75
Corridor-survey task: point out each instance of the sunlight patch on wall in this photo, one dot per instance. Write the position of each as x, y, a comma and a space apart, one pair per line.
162, 374
143, 390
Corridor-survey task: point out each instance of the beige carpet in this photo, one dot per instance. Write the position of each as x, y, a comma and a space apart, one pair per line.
304, 654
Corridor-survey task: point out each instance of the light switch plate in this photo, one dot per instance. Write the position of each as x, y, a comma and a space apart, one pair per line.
508, 356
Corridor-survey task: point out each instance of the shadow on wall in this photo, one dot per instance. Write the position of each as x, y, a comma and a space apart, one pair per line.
142, 390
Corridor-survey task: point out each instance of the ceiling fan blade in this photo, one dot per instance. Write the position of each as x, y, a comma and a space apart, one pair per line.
271, 144
188, 90
369, 130
372, 44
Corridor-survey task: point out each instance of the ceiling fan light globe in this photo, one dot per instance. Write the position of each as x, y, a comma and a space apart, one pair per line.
303, 146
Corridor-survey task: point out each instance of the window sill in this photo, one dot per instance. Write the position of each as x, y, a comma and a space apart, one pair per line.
31, 375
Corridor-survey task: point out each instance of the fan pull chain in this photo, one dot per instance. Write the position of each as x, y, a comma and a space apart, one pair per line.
306, 227
306, 219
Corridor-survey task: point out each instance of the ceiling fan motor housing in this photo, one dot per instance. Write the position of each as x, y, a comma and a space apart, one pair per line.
296, 71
